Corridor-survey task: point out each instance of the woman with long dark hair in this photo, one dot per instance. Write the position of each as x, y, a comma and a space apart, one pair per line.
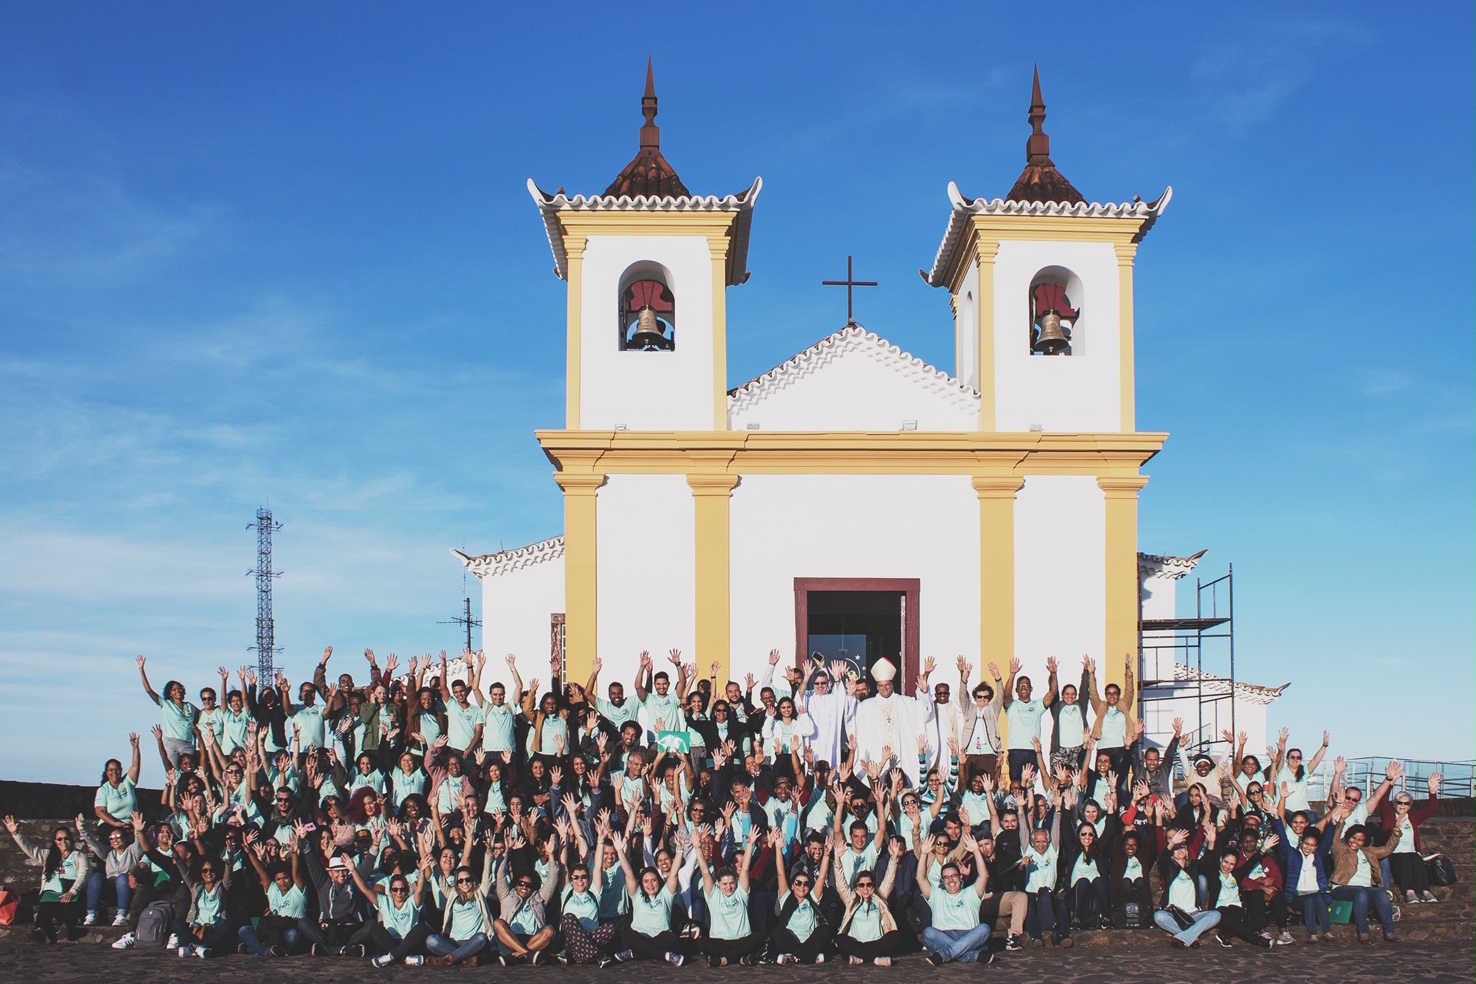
64, 873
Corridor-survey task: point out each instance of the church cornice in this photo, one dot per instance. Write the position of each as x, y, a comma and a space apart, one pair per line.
648, 215
1105, 455
997, 219
1163, 565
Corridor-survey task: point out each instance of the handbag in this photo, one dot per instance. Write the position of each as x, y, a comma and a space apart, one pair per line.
1439, 870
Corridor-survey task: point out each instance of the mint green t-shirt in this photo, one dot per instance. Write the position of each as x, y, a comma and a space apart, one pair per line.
291, 903
399, 921
728, 914
585, 906
866, 922
466, 919
1024, 717
119, 802
178, 721
803, 920
461, 723
959, 910
651, 914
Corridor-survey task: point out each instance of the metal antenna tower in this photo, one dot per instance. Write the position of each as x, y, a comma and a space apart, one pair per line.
465, 619
266, 643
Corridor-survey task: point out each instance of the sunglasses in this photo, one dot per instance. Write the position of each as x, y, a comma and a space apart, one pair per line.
865, 884
464, 881
524, 884
579, 876
399, 889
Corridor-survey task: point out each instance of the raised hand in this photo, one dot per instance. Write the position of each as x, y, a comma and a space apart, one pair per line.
1326, 739
994, 670
1393, 771
927, 667
1050, 664
773, 657
675, 656
556, 775
1014, 667
1434, 784
1340, 765
158, 732
714, 668
139, 660
838, 670
1178, 726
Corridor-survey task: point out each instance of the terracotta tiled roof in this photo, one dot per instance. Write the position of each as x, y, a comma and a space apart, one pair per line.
1040, 181
649, 175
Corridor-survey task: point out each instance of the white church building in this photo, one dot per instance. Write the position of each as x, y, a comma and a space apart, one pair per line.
853, 500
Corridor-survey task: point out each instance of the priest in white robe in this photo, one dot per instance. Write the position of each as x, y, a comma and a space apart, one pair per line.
830, 702
888, 721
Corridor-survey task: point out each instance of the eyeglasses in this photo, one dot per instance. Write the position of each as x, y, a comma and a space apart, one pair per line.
1294, 758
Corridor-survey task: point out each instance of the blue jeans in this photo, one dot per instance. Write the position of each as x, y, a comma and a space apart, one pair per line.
1314, 912
248, 935
457, 950
1203, 923
1362, 898
97, 884
956, 944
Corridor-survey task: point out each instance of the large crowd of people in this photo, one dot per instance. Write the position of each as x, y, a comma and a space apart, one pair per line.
422, 819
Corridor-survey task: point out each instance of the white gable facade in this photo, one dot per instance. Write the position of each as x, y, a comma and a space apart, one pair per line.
854, 498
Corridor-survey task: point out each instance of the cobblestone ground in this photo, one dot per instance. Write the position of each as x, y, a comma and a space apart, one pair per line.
1341, 963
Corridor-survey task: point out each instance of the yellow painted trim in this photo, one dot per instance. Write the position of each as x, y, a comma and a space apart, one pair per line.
645, 223
996, 567
711, 495
1125, 254
719, 248
1123, 604
574, 248
985, 251
1048, 228
581, 570
849, 453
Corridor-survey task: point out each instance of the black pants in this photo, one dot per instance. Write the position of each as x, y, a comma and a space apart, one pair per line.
1259, 913
651, 947
213, 938
1409, 872
1018, 759
781, 940
51, 914
1087, 902
1234, 922
399, 948
744, 946
331, 936
887, 946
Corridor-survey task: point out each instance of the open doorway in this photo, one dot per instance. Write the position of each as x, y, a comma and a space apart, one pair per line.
859, 620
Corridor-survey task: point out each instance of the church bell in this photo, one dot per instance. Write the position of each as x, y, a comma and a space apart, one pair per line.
1051, 338
648, 333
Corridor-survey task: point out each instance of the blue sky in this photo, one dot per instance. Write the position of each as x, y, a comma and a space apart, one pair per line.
283, 254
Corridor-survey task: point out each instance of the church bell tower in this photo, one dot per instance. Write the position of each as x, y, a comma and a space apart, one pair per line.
648, 265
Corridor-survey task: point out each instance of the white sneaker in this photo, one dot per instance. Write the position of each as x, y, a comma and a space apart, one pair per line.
414, 960
819, 958
125, 942
675, 959
785, 959
203, 952
91, 919
186, 951
121, 919
172, 943
383, 960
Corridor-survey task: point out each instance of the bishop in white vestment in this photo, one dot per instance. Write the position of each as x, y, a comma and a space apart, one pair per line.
888, 720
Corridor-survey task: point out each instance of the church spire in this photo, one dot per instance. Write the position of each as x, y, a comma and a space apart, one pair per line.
1040, 181
648, 174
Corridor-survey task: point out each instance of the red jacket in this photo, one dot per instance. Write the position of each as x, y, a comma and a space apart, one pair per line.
1418, 814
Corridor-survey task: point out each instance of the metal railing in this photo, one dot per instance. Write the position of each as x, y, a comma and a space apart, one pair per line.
1457, 779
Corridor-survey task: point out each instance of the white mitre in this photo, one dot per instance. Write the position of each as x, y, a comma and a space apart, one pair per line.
883, 670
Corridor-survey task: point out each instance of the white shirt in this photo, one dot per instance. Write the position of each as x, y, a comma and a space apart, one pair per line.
1307, 880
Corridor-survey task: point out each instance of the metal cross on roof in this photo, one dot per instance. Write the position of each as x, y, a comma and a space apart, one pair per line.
849, 283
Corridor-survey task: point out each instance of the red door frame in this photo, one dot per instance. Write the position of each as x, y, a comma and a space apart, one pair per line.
911, 589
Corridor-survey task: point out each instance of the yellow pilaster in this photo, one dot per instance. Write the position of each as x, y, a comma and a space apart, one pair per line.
1123, 606
986, 250
574, 247
719, 247
996, 567
581, 571
711, 494
1125, 254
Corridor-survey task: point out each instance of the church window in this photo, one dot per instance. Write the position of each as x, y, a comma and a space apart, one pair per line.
1055, 313
647, 310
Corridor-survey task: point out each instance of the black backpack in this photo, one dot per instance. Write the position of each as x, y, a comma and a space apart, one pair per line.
153, 924
1439, 870
1130, 913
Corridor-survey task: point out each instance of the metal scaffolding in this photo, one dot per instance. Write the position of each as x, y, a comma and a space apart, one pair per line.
1180, 657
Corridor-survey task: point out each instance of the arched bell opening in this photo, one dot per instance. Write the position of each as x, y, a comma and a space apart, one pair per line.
647, 309
1055, 313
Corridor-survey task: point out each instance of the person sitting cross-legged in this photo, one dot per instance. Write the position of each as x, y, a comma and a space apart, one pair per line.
801, 934
956, 933
523, 932
1180, 914
729, 936
868, 930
